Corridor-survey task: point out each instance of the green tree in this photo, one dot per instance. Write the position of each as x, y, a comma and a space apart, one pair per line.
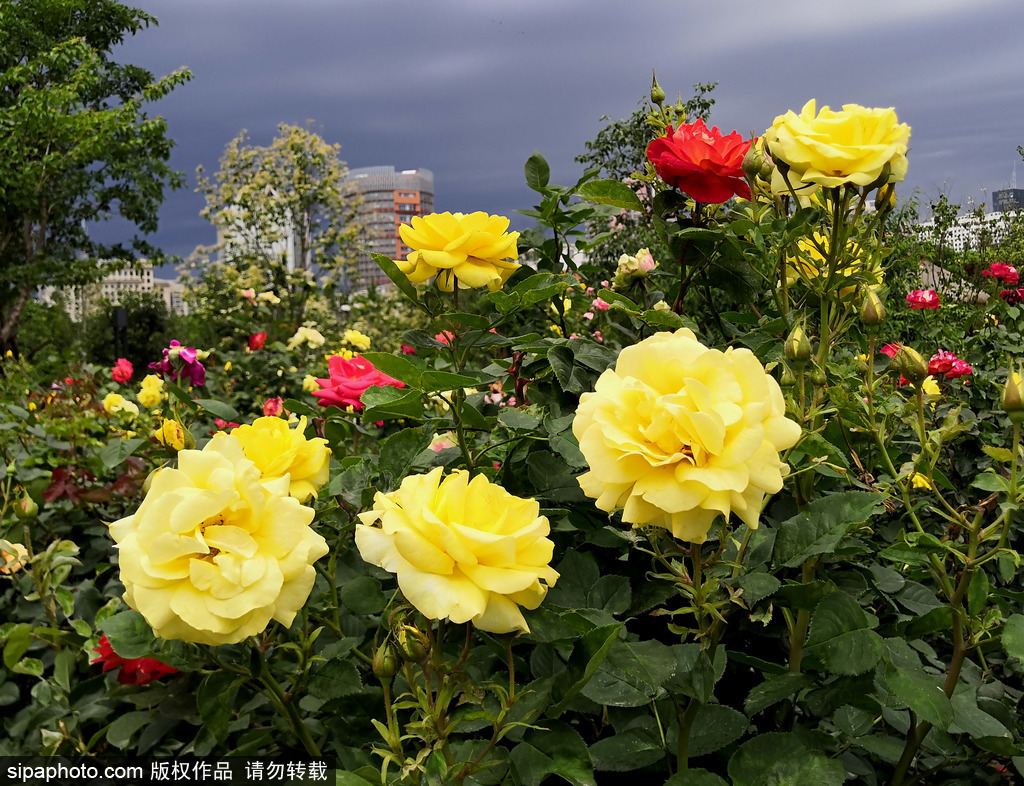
149, 328
285, 210
76, 145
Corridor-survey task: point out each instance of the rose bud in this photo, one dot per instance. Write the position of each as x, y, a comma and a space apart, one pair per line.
798, 347
911, 365
413, 644
657, 94
872, 310
1012, 400
26, 508
385, 662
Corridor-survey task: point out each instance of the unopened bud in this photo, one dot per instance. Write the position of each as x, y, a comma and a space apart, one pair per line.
148, 482
385, 662
872, 310
767, 165
657, 94
26, 508
752, 162
798, 347
1012, 400
788, 378
818, 377
886, 198
413, 644
911, 365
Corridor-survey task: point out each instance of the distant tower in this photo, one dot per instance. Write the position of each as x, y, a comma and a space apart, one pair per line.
390, 199
1009, 199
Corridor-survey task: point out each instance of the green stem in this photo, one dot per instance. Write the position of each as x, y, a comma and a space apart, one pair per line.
286, 708
803, 620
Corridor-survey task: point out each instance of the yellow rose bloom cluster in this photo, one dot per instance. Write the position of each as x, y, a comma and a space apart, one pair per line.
213, 554
152, 391
464, 550
358, 340
278, 450
678, 434
857, 145
471, 249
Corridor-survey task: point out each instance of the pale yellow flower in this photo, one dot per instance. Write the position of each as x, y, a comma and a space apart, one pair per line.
309, 383
14, 560
464, 550
213, 555
359, 340
857, 145
268, 297
677, 434
930, 387
152, 391
281, 451
472, 250
306, 335
114, 403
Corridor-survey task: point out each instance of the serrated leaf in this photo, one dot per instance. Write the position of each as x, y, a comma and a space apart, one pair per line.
120, 732
1013, 636
820, 528
387, 403
632, 749
588, 653
334, 679
363, 595
714, 727
783, 760
775, 689
129, 634
218, 408
117, 450
921, 692
757, 586
840, 637
397, 366
633, 674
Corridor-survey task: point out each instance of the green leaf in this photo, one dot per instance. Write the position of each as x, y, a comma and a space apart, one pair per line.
401, 280
569, 376
399, 452
977, 593
695, 674
610, 192
611, 594
1013, 636
775, 689
215, 699
783, 760
363, 595
588, 653
969, 718
839, 636
714, 727
19, 639
757, 586
820, 528
334, 679
387, 403
632, 675
557, 749
218, 408
117, 450
699, 777
990, 481
631, 750
433, 381
397, 366
537, 171
922, 693
120, 732
517, 420
129, 634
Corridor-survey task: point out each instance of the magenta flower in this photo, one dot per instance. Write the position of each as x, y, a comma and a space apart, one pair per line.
179, 363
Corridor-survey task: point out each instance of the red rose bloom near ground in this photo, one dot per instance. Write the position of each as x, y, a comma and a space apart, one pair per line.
122, 371
701, 162
134, 671
349, 380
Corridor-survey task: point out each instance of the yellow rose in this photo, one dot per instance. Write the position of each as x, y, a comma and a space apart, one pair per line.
464, 550
280, 451
811, 265
14, 560
227, 366
359, 340
305, 335
171, 433
213, 555
309, 383
677, 434
472, 249
114, 403
857, 145
152, 391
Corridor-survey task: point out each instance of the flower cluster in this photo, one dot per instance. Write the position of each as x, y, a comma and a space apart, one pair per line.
216, 551
152, 391
677, 434
947, 363
464, 550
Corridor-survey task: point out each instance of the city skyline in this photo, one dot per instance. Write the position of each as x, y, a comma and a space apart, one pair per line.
469, 91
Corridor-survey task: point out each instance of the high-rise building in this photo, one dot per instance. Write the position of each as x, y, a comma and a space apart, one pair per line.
390, 199
1008, 199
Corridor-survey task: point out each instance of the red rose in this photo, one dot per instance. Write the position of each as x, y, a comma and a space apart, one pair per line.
941, 362
257, 341
1012, 296
349, 380
890, 350
444, 336
923, 298
122, 371
1000, 272
701, 162
273, 407
408, 350
961, 368
134, 671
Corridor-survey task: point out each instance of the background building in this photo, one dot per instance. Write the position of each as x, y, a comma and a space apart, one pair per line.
136, 278
390, 199
1008, 199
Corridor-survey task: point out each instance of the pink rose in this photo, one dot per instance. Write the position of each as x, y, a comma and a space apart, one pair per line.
941, 362
122, 371
349, 380
1001, 272
923, 298
890, 350
273, 407
961, 368
444, 336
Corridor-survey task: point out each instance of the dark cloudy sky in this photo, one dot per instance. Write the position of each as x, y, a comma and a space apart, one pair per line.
470, 88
